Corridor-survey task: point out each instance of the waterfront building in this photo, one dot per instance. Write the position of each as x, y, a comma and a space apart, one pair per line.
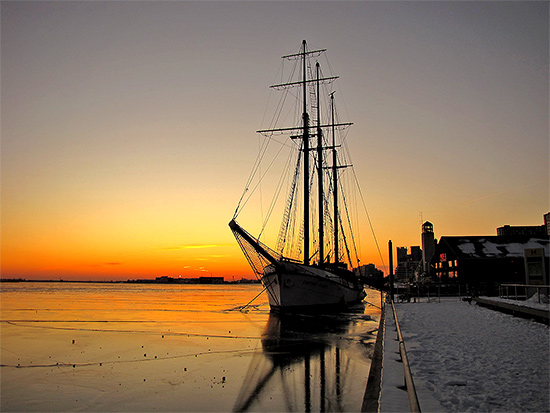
532, 230
508, 230
370, 275
536, 266
416, 253
171, 280
408, 265
211, 280
428, 246
402, 253
484, 262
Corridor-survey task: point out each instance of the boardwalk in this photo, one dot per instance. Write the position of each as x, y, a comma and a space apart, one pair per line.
467, 358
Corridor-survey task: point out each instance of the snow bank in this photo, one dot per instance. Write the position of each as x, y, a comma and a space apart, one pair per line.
532, 302
472, 358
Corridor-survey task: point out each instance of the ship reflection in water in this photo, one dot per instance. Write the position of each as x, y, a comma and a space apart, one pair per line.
310, 363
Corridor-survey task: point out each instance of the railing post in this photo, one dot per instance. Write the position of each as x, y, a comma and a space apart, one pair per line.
390, 248
526, 289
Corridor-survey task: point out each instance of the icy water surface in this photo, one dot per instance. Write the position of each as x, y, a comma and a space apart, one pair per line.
144, 347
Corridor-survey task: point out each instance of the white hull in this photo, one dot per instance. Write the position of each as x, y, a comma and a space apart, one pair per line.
297, 286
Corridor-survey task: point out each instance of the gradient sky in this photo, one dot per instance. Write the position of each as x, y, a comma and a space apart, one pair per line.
128, 128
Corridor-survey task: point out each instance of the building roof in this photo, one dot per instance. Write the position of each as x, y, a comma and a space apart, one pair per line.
477, 247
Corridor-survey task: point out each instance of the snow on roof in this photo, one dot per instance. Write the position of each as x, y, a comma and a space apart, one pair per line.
494, 246
467, 248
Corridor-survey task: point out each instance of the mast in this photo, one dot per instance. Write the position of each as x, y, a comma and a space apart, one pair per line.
334, 180
304, 134
320, 176
305, 137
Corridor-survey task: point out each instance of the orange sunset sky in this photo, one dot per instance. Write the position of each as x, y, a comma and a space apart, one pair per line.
128, 128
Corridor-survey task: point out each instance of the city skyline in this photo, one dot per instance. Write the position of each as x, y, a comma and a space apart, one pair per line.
128, 128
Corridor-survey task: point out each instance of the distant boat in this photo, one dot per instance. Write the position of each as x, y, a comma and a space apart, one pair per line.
319, 281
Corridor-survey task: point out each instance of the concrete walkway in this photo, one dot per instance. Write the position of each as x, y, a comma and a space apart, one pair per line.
393, 397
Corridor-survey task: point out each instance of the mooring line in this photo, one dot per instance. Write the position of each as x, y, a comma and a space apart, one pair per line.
250, 302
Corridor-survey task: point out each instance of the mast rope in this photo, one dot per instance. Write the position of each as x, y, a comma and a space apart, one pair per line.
277, 193
255, 168
368, 216
290, 227
350, 231
283, 231
348, 154
247, 188
264, 146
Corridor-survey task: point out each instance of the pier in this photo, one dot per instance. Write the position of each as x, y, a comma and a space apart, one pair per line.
514, 307
461, 356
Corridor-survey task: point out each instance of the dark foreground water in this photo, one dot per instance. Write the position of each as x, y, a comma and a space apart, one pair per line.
143, 347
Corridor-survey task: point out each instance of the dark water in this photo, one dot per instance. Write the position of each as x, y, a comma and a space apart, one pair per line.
135, 347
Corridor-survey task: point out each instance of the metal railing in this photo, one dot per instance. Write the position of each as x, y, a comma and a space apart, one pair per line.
504, 291
409, 383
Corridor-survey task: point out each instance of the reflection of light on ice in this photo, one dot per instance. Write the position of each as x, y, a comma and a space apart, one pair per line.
138, 347
317, 363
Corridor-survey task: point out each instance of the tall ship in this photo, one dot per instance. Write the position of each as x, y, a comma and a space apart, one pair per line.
309, 268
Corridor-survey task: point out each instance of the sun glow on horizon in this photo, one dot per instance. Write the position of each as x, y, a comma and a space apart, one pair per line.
128, 128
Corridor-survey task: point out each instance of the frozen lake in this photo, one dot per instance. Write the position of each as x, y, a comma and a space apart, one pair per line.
131, 347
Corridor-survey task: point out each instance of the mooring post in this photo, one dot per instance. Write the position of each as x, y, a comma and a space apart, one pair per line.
390, 248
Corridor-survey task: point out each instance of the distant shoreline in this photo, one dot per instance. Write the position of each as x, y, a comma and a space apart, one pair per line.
170, 281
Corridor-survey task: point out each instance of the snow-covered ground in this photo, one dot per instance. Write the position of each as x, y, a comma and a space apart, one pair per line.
467, 358
530, 303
